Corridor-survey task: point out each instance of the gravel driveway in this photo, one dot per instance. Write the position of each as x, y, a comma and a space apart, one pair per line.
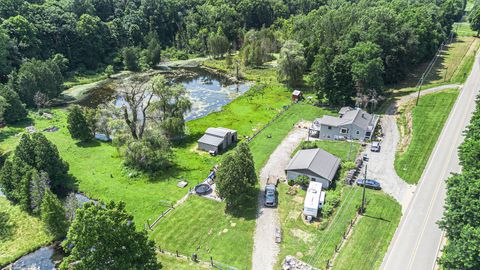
265, 250
381, 168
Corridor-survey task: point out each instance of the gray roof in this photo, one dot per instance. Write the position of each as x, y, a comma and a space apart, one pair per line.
356, 116
220, 132
316, 161
211, 140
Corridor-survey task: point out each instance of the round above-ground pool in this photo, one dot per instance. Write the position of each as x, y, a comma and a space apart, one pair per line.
203, 189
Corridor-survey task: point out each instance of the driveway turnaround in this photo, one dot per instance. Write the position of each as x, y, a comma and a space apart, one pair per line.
265, 250
418, 239
381, 165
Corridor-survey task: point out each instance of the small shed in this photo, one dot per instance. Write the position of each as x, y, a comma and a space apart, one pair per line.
217, 140
297, 95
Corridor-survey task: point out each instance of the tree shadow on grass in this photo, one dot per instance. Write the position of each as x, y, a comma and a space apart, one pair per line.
6, 228
12, 130
248, 209
378, 218
92, 143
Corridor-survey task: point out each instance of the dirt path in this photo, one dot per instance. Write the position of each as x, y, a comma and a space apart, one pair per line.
381, 165
265, 250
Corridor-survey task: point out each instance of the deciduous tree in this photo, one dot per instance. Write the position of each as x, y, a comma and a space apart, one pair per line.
291, 63
105, 237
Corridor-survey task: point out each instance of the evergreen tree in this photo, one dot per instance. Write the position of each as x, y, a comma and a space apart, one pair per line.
53, 215
39, 184
15, 179
105, 237
48, 159
236, 177
25, 150
77, 124
14, 109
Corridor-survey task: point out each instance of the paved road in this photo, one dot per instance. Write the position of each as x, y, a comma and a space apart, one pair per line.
265, 250
418, 239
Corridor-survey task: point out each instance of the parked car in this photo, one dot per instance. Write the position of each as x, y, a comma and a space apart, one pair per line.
270, 195
369, 183
375, 146
365, 157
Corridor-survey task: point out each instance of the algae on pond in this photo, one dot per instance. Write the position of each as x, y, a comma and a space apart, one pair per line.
208, 91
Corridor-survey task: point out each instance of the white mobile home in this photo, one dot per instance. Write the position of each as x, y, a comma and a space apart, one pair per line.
314, 200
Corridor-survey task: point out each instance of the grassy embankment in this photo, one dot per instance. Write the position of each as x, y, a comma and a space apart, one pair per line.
423, 124
372, 234
455, 61
19, 232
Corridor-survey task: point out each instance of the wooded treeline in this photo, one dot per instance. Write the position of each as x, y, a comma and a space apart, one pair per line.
461, 218
351, 48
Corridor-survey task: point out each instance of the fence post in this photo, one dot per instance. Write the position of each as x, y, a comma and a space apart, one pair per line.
211, 261
177, 252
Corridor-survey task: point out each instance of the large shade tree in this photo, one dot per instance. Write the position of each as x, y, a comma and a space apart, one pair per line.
105, 237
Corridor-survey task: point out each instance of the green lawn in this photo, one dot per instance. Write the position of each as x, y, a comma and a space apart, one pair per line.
19, 233
201, 226
262, 146
428, 119
371, 235
174, 263
344, 150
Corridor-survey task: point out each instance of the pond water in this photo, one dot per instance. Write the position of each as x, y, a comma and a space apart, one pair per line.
41, 259
82, 199
207, 91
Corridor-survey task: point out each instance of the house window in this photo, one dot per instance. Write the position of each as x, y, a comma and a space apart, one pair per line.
329, 127
343, 130
358, 132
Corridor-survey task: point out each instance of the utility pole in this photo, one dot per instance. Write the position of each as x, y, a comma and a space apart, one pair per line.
364, 186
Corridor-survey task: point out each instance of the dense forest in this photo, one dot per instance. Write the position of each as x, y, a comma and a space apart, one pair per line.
350, 49
461, 220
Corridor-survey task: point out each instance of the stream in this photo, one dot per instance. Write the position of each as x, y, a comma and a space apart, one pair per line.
44, 258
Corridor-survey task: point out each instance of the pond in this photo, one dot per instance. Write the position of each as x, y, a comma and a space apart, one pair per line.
41, 259
207, 91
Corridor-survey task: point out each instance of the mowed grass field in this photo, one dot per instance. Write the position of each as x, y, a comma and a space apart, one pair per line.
19, 232
173, 263
371, 236
201, 226
346, 151
266, 142
428, 119
314, 243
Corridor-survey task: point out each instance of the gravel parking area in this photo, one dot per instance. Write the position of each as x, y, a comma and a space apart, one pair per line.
265, 250
381, 168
